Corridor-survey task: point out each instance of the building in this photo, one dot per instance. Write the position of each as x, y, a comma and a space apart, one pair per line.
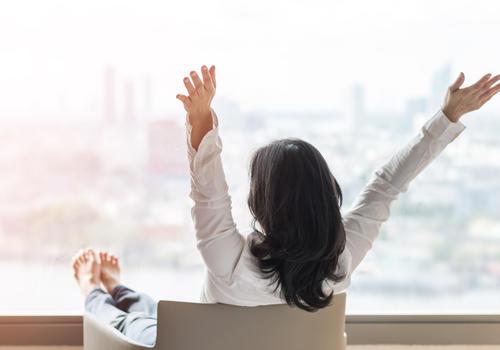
109, 103
166, 148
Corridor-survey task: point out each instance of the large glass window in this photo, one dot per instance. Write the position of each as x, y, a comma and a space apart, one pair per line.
92, 148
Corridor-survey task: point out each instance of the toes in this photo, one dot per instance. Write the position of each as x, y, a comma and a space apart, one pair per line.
75, 263
114, 259
77, 256
76, 267
91, 255
104, 256
81, 257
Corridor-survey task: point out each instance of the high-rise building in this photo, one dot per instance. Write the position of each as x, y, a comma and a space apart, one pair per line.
358, 102
129, 112
415, 107
440, 82
166, 148
148, 97
109, 103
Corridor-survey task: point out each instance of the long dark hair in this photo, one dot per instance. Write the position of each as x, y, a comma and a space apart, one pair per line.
296, 201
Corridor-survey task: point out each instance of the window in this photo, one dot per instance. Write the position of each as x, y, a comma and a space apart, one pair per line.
92, 149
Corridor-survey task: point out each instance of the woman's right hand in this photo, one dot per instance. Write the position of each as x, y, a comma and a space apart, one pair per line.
200, 94
197, 103
461, 101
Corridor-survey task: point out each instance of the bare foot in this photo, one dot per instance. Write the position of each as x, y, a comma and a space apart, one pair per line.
87, 271
110, 271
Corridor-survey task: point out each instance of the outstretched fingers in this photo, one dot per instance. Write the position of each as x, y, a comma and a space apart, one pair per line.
183, 98
488, 89
189, 86
197, 81
200, 89
460, 80
207, 78
212, 75
488, 94
491, 82
480, 83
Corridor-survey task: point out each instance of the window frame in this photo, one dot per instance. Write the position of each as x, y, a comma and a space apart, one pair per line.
361, 330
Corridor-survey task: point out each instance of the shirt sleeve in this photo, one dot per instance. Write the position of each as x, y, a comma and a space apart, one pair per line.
218, 239
372, 207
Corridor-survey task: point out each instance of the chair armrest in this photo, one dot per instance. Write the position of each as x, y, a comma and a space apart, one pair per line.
99, 336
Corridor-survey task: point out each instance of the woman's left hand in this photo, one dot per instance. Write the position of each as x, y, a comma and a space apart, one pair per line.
461, 101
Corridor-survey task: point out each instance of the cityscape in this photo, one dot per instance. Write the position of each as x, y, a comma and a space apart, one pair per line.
121, 182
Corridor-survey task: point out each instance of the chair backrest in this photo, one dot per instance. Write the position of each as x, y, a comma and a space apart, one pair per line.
190, 326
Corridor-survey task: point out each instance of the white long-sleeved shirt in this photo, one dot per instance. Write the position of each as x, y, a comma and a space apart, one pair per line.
232, 274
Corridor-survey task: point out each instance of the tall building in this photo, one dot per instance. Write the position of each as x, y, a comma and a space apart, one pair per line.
166, 148
415, 107
129, 112
441, 79
358, 102
109, 102
148, 97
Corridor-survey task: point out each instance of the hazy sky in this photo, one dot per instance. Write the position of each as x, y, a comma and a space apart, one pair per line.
270, 54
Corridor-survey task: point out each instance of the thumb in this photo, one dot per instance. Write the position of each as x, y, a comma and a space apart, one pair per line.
184, 99
460, 80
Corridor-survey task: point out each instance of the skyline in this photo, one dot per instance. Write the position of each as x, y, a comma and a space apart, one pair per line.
307, 58
127, 101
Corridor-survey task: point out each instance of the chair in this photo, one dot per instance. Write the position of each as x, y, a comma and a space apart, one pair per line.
193, 326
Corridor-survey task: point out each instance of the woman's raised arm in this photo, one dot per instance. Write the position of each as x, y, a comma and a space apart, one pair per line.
219, 242
372, 207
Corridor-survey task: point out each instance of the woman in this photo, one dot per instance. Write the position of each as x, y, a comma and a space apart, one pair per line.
302, 251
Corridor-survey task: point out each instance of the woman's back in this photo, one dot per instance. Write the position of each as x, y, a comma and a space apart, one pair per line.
233, 273
246, 287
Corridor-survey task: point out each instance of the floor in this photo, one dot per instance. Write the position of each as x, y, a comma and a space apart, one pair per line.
364, 347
